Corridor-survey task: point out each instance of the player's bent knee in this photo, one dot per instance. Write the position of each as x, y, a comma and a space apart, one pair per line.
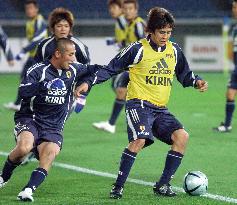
180, 138
230, 94
185, 137
136, 145
24, 149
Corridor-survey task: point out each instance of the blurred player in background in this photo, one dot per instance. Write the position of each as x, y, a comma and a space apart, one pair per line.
232, 85
36, 30
152, 63
134, 32
4, 43
116, 12
49, 85
61, 23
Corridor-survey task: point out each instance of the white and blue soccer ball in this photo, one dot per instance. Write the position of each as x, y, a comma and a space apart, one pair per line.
195, 183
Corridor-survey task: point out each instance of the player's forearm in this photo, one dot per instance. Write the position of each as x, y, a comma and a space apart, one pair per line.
29, 90
190, 80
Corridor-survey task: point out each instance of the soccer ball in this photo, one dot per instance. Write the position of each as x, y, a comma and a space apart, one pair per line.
195, 183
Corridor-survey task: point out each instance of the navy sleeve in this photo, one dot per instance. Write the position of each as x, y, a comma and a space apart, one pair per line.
234, 41
4, 43
139, 30
82, 52
38, 56
121, 62
83, 56
183, 73
31, 85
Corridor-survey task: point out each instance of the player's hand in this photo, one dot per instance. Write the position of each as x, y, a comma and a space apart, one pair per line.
110, 41
55, 84
83, 88
79, 103
201, 85
20, 55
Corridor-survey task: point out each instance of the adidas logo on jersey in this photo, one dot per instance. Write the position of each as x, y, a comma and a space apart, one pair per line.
57, 92
160, 67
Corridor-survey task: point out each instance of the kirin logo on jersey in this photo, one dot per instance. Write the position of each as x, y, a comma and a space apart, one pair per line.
160, 67
143, 132
56, 96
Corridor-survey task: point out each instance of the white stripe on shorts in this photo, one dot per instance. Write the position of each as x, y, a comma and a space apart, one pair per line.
131, 125
134, 115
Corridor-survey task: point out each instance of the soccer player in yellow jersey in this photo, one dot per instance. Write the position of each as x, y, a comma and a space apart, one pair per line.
136, 25
116, 12
134, 31
119, 82
152, 62
36, 30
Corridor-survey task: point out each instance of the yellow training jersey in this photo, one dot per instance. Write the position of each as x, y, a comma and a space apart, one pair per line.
151, 79
120, 28
35, 31
135, 30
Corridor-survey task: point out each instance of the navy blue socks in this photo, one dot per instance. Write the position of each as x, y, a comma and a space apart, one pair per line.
229, 110
126, 163
173, 160
8, 168
118, 106
37, 177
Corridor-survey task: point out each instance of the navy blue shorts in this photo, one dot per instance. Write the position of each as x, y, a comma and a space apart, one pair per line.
146, 121
121, 80
40, 134
233, 81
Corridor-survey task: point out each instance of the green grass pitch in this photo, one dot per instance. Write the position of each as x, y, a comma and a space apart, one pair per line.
210, 152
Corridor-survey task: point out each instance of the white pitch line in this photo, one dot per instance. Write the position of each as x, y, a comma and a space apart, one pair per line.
136, 181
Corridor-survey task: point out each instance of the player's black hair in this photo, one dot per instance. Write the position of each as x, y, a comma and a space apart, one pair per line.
117, 2
135, 2
31, 2
159, 18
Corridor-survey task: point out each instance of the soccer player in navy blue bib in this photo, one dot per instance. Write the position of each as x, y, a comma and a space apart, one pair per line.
152, 63
46, 92
231, 92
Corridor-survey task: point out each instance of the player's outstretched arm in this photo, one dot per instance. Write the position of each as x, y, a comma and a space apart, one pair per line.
201, 85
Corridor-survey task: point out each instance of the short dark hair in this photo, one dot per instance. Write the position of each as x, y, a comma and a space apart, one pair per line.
159, 18
135, 2
59, 14
117, 2
61, 44
31, 2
